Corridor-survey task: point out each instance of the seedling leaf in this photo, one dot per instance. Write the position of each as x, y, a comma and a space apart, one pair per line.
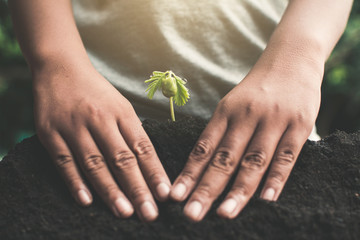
182, 95
155, 83
172, 87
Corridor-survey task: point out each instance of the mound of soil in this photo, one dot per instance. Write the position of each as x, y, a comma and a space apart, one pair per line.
320, 201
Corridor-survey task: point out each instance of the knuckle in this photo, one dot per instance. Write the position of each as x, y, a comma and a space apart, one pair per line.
123, 160
74, 119
74, 182
249, 108
276, 176
254, 160
127, 113
202, 151
138, 192
223, 107
239, 190
143, 148
300, 117
204, 191
126, 106
155, 176
93, 110
303, 120
62, 160
285, 157
188, 175
43, 132
276, 108
223, 161
111, 192
93, 163
46, 135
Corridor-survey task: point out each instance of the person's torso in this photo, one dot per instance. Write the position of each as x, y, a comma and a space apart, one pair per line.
213, 44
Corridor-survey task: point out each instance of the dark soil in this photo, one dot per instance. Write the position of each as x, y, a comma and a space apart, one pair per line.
320, 201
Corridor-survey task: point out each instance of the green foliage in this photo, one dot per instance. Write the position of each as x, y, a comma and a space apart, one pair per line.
16, 114
337, 76
159, 80
340, 107
182, 95
172, 86
8, 47
343, 66
10, 52
155, 83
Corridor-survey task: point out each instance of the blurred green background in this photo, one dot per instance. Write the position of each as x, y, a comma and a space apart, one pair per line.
340, 107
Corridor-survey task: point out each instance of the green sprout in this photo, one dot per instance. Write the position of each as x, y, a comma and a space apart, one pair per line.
172, 86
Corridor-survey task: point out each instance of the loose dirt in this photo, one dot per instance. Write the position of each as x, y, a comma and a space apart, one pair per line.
320, 201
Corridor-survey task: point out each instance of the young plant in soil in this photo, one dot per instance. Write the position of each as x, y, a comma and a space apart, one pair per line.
172, 87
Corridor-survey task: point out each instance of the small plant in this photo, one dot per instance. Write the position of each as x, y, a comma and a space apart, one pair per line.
172, 86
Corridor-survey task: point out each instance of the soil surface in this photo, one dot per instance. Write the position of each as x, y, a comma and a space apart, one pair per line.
320, 201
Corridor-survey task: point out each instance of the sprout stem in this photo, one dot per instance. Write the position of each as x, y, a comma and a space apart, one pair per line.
172, 109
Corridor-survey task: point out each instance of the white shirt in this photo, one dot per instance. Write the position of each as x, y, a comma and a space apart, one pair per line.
211, 43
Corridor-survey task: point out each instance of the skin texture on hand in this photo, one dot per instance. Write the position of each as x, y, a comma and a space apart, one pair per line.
91, 131
261, 125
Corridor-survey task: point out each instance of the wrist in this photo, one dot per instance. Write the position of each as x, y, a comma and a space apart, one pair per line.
47, 65
47, 52
286, 52
293, 59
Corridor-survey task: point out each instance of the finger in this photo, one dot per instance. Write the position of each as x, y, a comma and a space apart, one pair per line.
94, 167
283, 161
252, 168
199, 158
125, 168
222, 166
150, 165
67, 168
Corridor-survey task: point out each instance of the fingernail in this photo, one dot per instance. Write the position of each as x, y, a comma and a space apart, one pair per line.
84, 197
163, 190
122, 208
194, 209
228, 206
269, 194
178, 191
148, 211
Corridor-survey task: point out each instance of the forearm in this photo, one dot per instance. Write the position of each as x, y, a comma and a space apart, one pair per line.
307, 32
47, 34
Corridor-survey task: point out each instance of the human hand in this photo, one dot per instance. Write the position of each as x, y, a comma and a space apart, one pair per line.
260, 125
90, 130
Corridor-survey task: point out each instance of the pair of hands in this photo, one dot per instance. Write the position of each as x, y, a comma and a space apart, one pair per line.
91, 131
